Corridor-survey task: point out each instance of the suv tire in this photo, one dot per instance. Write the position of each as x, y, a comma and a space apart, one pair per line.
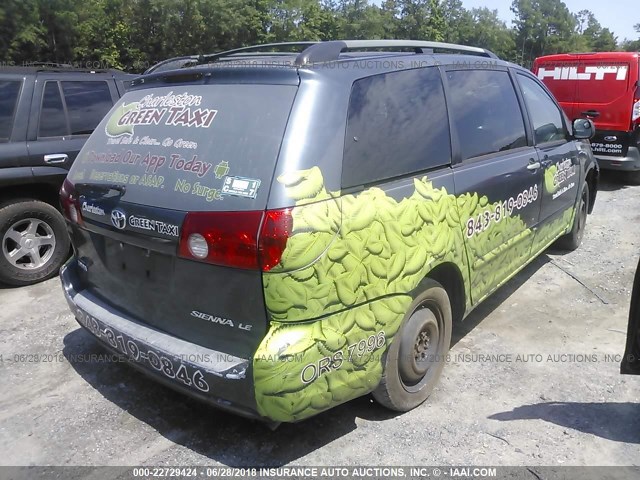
572, 240
34, 242
415, 359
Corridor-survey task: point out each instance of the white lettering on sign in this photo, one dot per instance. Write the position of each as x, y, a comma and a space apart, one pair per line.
590, 73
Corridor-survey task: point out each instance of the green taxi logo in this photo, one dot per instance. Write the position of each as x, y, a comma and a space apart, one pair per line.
114, 127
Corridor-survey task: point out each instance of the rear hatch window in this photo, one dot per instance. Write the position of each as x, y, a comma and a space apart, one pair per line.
190, 148
163, 152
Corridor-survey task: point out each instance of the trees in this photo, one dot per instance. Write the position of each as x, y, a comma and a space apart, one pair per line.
547, 26
459, 22
488, 31
630, 45
131, 34
22, 34
596, 38
421, 20
543, 27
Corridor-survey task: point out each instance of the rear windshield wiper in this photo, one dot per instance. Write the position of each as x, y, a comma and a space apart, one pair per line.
104, 190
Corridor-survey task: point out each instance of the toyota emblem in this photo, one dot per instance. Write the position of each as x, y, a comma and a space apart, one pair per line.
118, 219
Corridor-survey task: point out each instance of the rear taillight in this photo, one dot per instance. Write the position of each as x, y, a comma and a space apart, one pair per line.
635, 112
70, 203
250, 240
275, 231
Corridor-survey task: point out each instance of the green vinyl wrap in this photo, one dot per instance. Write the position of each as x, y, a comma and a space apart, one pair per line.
347, 278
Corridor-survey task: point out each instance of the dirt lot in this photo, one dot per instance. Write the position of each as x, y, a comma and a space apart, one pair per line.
531, 406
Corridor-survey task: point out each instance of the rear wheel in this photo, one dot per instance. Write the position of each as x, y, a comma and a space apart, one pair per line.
416, 357
573, 239
33, 242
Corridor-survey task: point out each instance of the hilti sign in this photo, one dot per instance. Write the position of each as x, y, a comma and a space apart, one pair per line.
589, 73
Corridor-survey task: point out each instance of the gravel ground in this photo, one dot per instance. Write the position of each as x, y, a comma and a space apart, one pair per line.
552, 397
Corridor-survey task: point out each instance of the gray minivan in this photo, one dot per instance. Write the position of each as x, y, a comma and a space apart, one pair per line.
277, 233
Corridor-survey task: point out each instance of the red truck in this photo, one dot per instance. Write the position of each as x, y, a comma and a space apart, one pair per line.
604, 87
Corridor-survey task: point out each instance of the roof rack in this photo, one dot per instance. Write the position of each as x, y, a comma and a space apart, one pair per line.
182, 62
318, 52
331, 50
269, 47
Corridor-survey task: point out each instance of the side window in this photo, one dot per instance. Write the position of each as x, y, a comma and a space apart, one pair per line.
485, 111
545, 115
53, 121
87, 103
396, 125
9, 91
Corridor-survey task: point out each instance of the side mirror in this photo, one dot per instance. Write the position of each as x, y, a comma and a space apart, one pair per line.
583, 128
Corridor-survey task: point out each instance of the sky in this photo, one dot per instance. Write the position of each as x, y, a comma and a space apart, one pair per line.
619, 16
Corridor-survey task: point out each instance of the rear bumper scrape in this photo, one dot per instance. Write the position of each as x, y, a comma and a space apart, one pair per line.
218, 378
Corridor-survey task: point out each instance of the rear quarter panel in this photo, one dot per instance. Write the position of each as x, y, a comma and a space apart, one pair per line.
349, 272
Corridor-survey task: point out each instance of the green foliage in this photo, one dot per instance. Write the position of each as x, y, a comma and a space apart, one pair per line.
21, 31
630, 45
596, 38
132, 34
490, 32
542, 27
421, 20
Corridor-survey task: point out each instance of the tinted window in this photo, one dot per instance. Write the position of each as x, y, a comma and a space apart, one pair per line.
9, 91
53, 122
397, 124
87, 103
545, 115
216, 149
485, 112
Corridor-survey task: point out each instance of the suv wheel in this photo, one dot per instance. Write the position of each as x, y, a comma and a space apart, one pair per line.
415, 359
573, 239
34, 242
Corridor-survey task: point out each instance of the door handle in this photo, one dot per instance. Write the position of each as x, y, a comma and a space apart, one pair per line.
591, 113
56, 158
534, 165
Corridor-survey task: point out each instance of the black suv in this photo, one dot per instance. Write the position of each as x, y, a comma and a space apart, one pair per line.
278, 233
46, 115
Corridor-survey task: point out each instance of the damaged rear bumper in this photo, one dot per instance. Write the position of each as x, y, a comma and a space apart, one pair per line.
220, 379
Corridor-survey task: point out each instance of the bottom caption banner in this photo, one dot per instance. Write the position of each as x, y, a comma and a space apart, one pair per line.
322, 473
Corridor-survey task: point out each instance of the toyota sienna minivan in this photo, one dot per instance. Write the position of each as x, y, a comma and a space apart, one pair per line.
277, 233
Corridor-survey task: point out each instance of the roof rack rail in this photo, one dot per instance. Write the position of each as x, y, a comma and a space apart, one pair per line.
317, 52
330, 50
180, 62
212, 57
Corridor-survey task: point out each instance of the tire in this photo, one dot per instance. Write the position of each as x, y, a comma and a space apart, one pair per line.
573, 239
34, 242
407, 381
